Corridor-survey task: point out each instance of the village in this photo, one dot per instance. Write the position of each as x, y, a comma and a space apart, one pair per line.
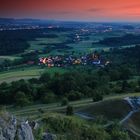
63, 61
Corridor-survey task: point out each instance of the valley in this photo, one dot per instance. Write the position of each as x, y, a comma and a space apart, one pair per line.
71, 80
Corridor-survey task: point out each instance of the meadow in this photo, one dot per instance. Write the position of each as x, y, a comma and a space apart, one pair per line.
80, 105
27, 73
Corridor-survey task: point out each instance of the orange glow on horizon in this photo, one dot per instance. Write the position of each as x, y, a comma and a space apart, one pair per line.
73, 9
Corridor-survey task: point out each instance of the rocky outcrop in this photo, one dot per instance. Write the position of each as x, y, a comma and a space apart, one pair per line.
25, 132
13, 129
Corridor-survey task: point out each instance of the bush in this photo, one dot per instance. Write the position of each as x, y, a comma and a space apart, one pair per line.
64, 102
74, 128
97, 97
48, 98
45, 77
119, 135
69, 110
21, 100
74, 95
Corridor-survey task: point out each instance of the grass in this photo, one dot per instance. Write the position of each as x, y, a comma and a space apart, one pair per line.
121, 96
27, 74
99, 36
33, 111
56, 70
110, 109
21, 74
113, 103
9, 57
84, 46
81, 47
53, 53
36, 45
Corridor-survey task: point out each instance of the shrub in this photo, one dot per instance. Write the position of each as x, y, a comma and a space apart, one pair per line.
21, 99
69, 110
74, 95
48, 98
64, 102
97, 97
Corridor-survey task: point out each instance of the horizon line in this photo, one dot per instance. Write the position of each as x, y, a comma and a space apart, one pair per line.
70, 20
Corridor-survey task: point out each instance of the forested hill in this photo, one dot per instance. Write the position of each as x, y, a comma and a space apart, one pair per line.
128, 39
129, 56
13, 42
16, 41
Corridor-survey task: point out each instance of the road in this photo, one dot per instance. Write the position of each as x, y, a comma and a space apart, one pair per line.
85, 115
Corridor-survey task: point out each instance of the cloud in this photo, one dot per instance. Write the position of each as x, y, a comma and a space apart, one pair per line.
94, 10
131, 6
58, 12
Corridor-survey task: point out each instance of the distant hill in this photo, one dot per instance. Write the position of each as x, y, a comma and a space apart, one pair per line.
128, 39
25, 21
6, 20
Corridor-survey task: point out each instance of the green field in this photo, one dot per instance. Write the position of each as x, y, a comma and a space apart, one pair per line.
81, 105
9, 57
84, 46
109, 109
87, 47
37, 44
27, 74
21, 74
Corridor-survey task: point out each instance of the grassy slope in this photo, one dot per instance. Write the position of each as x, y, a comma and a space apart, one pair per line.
32, 111
110, 109
26, 74
16, 75
9, 57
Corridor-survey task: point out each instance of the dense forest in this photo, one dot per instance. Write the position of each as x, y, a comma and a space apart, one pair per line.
13, 42
16, 41
127, 58
128, 39
69, 85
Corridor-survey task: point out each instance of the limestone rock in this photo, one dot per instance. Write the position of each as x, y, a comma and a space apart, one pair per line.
13, 129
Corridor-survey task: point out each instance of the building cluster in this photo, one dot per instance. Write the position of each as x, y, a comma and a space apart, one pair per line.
61, 61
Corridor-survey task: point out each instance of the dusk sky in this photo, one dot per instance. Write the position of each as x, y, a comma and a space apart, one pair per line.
88, 10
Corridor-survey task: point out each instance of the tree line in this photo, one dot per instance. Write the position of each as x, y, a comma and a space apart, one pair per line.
73, 85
